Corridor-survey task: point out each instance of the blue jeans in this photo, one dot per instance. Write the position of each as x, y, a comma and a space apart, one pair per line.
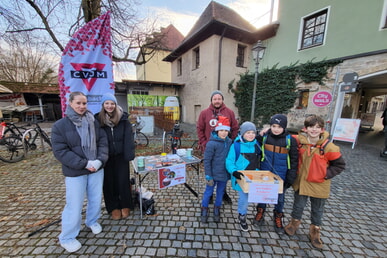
279, 207
220, 187
76, 189
243, 204
317, 208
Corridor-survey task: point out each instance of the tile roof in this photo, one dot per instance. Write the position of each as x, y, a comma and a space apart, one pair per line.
28, 87
218, 19
172, 38
223, 14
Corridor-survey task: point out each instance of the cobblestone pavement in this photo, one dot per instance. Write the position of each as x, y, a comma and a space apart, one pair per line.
32, 198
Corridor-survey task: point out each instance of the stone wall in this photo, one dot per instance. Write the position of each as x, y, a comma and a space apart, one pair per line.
365, 67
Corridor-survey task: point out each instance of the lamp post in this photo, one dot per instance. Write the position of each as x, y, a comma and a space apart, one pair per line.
258, 51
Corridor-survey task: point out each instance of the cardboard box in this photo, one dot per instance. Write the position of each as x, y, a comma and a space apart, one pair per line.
259, 176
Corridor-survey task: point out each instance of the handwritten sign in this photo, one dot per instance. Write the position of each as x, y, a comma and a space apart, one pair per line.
263, 193
346, 130
322, 98
170, 176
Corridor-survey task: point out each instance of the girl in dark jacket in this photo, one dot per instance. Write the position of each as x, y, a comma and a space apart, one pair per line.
116, 188
80, 144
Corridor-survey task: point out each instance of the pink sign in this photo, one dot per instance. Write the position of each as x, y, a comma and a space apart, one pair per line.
322, 98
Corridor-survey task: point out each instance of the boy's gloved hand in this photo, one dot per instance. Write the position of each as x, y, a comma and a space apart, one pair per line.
210, 180
237, 175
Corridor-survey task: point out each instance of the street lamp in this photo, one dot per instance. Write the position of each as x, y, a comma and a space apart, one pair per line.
258, 51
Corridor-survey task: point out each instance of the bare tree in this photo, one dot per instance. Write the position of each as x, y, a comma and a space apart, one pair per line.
54, 21
24, 62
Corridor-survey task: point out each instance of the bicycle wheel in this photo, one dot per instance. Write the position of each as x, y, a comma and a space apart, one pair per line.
196, 149
37, 139
11, 149
141, 140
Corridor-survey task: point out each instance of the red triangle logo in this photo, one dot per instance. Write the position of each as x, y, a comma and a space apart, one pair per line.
85, 69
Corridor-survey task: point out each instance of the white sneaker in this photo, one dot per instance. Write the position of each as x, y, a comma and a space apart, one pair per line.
96, 228
72, 246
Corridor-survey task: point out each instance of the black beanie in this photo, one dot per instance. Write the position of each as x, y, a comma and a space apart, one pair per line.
279, 120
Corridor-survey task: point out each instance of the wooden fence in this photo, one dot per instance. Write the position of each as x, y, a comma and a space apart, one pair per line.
163, 120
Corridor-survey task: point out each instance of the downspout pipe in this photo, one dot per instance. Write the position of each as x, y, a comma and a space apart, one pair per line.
220, 56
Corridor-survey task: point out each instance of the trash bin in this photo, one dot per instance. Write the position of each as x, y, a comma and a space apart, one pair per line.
172, 105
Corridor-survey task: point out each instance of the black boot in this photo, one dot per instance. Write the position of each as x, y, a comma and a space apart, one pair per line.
243, 222
226, 198
259, 218
204, 215
278, 226
216, 214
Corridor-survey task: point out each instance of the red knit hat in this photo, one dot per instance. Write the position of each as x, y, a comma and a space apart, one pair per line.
222, 124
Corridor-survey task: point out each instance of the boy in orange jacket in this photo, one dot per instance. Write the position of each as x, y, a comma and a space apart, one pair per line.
319, 161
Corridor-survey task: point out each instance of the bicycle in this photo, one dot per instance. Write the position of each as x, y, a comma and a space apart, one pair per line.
31, 135
16, 141
140, 139
174, 138
8, 129
12, 149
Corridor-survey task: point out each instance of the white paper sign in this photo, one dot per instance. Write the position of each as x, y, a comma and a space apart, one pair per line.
263, 193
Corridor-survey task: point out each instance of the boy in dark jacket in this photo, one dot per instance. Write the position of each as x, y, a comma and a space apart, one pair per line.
280, 156
215, 167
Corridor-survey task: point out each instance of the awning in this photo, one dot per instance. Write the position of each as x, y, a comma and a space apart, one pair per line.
14, 108
4, 89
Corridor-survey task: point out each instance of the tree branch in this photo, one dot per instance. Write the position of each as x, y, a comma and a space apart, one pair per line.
24, 30
45, 22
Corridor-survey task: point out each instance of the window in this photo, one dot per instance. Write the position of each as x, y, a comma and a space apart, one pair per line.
313, 29
196, 58
139, 92
179, 67
383, 22
240, 60
303, 99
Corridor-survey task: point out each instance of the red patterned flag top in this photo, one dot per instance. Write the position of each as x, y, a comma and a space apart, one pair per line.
86, 63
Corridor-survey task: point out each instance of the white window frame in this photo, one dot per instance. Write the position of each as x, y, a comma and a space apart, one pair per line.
383, 18
301, 30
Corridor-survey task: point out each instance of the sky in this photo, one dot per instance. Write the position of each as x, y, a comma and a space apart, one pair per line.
184, 13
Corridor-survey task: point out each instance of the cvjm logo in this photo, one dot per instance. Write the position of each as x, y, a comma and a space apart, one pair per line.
89, 73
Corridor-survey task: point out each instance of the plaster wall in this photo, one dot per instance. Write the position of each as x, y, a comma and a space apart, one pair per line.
201, 82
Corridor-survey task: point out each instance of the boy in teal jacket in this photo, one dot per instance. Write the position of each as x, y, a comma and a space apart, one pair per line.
244, 154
